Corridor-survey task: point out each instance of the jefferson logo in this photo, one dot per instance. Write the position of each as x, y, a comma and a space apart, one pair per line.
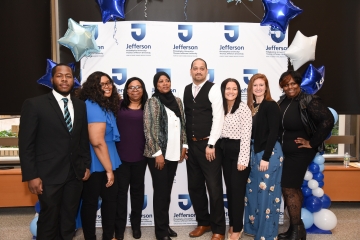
167, 70
225, 201
145, 202
235, 34
123, 72
182, 205
250, 72
211, 75
185, 29
276, 35
137, 26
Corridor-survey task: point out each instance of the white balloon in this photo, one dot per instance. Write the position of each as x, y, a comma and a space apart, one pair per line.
318, 192
325, 219
301, 50
308, 176
313, 184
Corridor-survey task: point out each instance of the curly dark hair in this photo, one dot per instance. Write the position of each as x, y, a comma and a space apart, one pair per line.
91, 89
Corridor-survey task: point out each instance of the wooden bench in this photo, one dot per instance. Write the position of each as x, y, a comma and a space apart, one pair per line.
14, 192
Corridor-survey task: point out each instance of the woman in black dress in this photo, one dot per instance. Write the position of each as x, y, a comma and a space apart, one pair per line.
306, 123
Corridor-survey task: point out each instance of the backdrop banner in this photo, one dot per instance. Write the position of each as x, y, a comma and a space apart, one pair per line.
231, 50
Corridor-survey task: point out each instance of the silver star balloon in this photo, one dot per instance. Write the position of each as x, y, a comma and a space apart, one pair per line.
80, 39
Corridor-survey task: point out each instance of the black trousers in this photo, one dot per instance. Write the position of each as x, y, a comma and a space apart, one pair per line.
235, 181
162, 184
130, 174
59, 204
200, 171
94, 188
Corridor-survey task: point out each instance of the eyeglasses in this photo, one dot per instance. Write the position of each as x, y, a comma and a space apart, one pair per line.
290, 84
107, 84
133, 88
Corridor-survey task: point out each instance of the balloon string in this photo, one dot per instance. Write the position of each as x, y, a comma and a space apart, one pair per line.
145, 14
134, 7
185, 8
88, 55
115, 29
250, 10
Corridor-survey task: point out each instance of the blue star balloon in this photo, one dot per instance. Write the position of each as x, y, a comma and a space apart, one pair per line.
111, 9
312, 79
80, 39
46, 79
278, 13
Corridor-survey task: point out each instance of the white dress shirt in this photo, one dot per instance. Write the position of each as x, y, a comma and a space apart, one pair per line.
174, 133
59, 98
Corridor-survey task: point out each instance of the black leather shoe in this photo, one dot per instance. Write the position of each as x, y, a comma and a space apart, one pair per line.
164, 238
137, 234
172, 233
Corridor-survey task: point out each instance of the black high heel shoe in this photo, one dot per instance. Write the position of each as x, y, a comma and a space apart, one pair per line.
285, 235
298, 232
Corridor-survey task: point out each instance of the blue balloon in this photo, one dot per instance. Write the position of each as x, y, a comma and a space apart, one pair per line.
321, 167
33, 226
279, 13
321, 184
80, 39
318, 176
326, 201
37, 207
314, 168
304, 184
335, 114
319, 159
111, 9
307, 218
46, 79
306, 191
312, 79
313, 204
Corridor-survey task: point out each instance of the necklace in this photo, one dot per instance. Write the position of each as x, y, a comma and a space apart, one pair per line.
255, 110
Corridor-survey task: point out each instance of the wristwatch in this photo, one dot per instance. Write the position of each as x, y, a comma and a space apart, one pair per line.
210, 146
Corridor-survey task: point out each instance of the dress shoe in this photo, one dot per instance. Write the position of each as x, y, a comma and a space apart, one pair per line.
164, 238
217, 236
238, 237
172, 233
137, 234
200, 230
285, 235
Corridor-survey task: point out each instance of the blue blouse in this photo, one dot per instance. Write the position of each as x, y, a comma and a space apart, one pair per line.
96, 114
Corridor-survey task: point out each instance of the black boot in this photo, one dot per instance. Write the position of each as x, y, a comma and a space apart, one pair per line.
298, 232
285, 235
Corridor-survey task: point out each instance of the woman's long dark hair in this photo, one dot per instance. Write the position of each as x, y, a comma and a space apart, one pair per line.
126, 101
237, 99
91, 89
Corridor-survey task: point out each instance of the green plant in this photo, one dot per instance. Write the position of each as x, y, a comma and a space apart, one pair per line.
333, 148
7, 133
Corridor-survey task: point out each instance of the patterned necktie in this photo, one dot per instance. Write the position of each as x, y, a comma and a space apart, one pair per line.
197, 88
67, 114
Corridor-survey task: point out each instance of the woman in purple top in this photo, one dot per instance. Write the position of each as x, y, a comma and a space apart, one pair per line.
131, 150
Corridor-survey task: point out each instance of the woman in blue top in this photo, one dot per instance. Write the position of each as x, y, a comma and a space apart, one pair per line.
102, 102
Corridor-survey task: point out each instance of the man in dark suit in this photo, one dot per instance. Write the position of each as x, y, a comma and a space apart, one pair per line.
55, 154
204, 120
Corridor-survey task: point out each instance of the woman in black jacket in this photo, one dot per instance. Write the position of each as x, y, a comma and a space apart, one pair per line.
306, 123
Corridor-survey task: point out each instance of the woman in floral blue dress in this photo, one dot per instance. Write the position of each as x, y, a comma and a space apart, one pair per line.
263, 190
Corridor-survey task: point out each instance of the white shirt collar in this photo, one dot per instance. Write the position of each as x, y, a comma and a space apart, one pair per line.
59, 97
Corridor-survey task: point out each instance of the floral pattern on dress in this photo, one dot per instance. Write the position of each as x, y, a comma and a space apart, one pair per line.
262, 208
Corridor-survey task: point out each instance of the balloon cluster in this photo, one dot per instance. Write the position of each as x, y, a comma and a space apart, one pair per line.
33, 223
315, 213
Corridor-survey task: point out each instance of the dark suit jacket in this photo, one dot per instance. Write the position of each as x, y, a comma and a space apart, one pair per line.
46, 148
